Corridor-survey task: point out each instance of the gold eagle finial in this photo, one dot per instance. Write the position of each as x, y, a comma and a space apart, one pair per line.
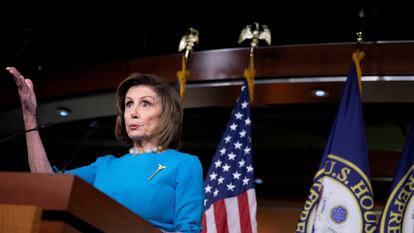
188, 41
255, 34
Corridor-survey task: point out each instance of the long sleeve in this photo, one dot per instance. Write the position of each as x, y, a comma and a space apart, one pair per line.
189, 196
88, 173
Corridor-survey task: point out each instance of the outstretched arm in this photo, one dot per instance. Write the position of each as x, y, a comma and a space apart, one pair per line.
38, 160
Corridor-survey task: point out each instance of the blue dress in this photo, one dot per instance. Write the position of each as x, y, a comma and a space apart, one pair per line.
172, 200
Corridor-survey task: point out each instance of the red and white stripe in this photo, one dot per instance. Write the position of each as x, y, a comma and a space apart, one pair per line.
232, 215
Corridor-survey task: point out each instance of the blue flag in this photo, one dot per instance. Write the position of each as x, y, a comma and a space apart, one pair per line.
398, 213
340, 199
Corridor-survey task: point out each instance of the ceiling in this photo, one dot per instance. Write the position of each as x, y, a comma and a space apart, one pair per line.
288, 139
40, 37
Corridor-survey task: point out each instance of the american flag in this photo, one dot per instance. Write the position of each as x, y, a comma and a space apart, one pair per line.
230, 198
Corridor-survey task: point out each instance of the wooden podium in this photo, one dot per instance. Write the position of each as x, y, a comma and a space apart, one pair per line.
63, 203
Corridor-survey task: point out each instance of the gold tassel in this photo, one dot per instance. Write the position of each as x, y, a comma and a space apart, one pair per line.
249, 74
357, 56
182, 76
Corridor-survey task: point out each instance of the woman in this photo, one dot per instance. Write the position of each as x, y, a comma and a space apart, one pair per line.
153, 180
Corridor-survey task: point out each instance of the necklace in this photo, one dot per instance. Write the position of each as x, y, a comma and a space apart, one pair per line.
136, 152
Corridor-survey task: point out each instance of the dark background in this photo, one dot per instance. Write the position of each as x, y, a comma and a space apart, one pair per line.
71, 33
39, 38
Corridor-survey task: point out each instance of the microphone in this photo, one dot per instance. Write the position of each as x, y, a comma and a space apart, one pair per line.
94, 126
42, 126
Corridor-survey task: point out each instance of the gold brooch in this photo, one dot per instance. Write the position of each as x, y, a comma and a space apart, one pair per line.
160, 167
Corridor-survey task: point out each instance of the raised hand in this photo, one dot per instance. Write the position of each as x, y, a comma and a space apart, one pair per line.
26, 93
37, 157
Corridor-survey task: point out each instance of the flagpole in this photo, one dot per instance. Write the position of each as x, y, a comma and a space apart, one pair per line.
255, 34
357, 56
187, 42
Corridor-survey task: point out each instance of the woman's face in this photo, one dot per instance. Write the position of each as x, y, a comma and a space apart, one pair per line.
143, 109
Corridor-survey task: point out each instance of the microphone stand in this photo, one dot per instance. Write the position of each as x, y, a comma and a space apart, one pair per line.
42, 126
92, 128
